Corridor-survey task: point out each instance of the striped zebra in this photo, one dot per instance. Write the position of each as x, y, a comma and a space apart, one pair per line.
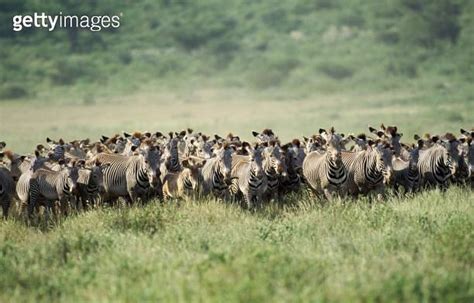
323, 170
28, 167
391, 135
294, 156
369, 170
265, 136
439, 163
360, 142
57, 149
468, 151
248, 178
217, 171
53, 188
15, 163
406, 173
274, 167
131, 177
7, 189
170, 162
185, 183
90, 184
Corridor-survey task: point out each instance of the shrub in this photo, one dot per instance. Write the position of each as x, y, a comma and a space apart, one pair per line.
13, 91
335, 70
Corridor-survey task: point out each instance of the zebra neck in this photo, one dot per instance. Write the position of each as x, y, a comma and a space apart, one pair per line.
372, 174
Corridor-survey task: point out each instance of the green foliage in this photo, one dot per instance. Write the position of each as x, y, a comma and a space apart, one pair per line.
241, 43
13, 91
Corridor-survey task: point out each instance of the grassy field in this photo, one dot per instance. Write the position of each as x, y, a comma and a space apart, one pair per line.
410, 250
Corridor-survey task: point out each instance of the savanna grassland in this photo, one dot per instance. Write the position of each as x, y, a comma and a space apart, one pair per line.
220, 66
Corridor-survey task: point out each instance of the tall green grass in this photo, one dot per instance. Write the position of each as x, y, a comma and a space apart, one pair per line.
417, 249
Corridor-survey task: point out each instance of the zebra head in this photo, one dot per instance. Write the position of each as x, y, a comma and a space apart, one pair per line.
333, 144
150, 156
414, 155
192, 171
454, 151
383, 159
294, 156
391, 135
131, 142
255, 159
273, 161
360, 142
265, 136
223, 154
70, 172
203, 147
96, 178
312, 143
15, 163
57, 149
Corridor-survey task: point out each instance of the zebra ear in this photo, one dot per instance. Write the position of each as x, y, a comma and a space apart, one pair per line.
190, 131
217, 137
420, 143
48, 140
321, 131
2, 144
416, 137
126, 135
81, 163
372, 130
254, 133
37, 154
185, 163
133, 148
383, 127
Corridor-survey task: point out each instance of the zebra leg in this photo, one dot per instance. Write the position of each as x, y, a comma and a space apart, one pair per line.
6, 207
248, 198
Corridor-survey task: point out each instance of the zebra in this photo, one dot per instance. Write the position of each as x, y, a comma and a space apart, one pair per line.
468, 152
406, 173
90, 184
294, 156
216, 172
185, 183
170, 161
265, 136
248, 178
7, 190
131, 143
57, 149
131, 177
360, 142
53, 187
274, 167
324, 170
391, 135
439, 163
16, 164
369, 170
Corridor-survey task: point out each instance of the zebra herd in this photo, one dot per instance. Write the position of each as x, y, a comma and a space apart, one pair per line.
64, 176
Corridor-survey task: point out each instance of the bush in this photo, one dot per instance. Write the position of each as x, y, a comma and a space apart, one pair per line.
336, 70
13, 91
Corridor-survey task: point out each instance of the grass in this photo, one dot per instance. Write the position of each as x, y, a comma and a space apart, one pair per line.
417, 249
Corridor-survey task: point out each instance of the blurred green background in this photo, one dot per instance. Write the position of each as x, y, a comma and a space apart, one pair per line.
291, 65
